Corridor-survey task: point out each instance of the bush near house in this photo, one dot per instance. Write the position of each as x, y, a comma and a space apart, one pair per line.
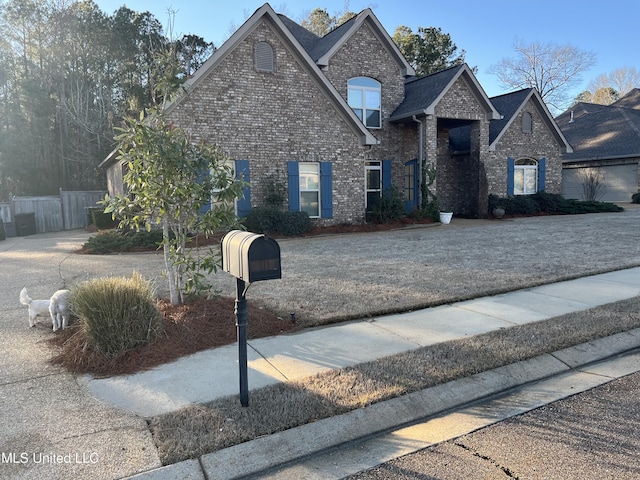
549, 203
389, 208
273, 220
635, 198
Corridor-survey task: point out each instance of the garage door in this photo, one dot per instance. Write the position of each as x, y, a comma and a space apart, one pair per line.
620, 182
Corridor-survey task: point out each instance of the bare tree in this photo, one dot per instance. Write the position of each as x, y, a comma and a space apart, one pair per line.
551, 69
592, 181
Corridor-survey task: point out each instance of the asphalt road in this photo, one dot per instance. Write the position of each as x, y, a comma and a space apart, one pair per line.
592, 435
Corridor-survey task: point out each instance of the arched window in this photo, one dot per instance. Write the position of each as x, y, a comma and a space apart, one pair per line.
264, 57
527, 122
365, 99
525, 177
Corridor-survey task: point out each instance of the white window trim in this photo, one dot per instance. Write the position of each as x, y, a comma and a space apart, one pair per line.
371, 165
301, 189
363, 90
524, 168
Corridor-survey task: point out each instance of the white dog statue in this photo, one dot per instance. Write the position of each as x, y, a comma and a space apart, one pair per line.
57, 308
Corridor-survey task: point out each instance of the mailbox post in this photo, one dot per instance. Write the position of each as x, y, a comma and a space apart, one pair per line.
250, 258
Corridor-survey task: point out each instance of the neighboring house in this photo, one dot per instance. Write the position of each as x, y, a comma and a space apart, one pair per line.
339, 119
606, 147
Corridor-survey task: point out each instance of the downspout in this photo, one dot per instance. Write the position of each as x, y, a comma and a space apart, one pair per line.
420, 159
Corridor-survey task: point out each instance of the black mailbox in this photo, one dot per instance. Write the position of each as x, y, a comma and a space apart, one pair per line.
251, 257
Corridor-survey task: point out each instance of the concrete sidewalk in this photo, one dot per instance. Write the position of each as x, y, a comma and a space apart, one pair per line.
193, 379
312, 448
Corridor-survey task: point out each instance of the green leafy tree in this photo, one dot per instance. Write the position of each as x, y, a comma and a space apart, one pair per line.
429, 50
320, 22
169, 180
601, 96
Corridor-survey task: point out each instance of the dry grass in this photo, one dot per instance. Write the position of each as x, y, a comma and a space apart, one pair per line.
204, 428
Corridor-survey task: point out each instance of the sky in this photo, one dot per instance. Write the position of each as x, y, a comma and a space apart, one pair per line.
485, 29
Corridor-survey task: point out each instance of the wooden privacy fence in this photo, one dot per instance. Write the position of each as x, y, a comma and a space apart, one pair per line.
53, 213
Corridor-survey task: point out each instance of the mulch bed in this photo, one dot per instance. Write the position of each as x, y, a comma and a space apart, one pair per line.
189, 328
193, 327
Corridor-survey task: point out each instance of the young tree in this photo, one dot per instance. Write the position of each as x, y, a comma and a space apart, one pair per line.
551, 69
169, 180
592, 181
429, 50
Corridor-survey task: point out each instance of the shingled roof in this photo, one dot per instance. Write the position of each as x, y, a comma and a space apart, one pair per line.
421, 95
603, 132
509, 105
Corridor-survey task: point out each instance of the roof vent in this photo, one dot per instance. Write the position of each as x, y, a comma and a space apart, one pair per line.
264, 57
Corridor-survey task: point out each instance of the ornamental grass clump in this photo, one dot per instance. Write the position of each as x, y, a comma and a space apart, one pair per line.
116, 314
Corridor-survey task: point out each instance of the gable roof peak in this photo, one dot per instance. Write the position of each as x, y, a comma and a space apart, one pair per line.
422, 94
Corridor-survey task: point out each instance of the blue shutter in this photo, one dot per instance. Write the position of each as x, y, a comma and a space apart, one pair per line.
205, 207
511, 164
386, 175
326, 190
293, 177
244, 203
542, 173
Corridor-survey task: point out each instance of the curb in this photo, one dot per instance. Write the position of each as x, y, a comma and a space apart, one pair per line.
274, 450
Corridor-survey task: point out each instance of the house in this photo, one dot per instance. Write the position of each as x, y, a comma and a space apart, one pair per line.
339, 119
606, 143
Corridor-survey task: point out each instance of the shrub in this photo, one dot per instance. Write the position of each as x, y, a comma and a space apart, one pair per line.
577, 207
294, 223
263, 219
521, 205
116, 314
273, 220
549, 202
389, 208
635, 198
115, 241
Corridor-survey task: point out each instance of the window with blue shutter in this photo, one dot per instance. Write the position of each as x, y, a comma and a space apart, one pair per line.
311, 188
525, 176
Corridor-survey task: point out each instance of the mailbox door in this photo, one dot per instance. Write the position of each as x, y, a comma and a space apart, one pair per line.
264, 260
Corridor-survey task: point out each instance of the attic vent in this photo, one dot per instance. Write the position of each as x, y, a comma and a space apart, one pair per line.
527, 122
264, 57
